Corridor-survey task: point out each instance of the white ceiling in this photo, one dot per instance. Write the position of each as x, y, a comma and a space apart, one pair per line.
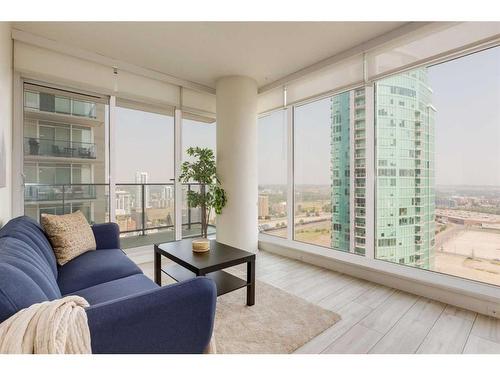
201, 52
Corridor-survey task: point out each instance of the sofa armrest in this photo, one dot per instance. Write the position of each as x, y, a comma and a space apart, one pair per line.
107, 235
177, 318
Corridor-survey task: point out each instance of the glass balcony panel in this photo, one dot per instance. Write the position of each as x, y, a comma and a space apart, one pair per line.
59, 148
62, 105
82, 108
57, 199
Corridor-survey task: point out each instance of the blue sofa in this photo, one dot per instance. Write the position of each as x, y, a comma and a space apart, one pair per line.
128, 312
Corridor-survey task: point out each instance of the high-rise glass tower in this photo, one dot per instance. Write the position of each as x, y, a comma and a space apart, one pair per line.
348, 121
405, 169
405, 205
340, 169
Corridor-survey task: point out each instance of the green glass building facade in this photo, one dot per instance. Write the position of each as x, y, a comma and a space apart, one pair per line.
348, 122
404, 163
404, 126
340, 168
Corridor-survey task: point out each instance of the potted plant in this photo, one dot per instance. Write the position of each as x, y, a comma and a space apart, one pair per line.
211, 195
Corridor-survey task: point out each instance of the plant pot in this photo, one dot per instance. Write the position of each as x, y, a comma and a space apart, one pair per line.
201, 245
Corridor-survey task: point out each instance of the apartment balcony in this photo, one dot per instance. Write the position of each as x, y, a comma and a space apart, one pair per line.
59, 105
36, 147
359, 222
360, 234
360, 135
359, 244
59, 193
360, 212
360, 250
141, 209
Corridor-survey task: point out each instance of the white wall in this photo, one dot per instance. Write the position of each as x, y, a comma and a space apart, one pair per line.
5, 119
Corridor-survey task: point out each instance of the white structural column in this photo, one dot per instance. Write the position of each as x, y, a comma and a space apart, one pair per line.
237, 160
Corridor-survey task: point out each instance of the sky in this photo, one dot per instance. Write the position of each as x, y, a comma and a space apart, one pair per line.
467, 98
272, 149
145, 143
466, 94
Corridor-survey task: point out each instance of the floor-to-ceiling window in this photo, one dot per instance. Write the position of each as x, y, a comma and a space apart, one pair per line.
313, 173
438, 167
144, 171
272, 200
65, 153
197, 131
329, 172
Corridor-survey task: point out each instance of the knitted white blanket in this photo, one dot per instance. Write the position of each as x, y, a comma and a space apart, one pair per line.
52, 327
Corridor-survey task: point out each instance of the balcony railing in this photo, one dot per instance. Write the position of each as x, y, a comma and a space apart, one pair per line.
45, 102
59, 192
91, 199
143, 208
59, 148
140, 208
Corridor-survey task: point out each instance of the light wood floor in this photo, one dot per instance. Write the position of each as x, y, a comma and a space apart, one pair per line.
375, 319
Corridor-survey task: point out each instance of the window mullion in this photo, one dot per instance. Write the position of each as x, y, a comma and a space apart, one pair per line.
289, 183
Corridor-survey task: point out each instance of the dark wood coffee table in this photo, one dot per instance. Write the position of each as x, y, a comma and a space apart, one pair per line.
188, 264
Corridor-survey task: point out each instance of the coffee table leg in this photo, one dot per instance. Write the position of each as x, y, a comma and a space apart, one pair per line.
251, 283
157, 267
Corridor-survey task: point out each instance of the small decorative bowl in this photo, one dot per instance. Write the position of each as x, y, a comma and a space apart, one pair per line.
201, 245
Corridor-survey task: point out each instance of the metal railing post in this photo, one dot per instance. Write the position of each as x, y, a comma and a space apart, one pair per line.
143, 196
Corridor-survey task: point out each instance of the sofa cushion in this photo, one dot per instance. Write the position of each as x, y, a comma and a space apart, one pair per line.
25, 278
29, 231
12, 281
115, 289
93, 268
70, 235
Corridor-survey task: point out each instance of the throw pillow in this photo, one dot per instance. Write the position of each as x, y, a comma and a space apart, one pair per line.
70, 235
